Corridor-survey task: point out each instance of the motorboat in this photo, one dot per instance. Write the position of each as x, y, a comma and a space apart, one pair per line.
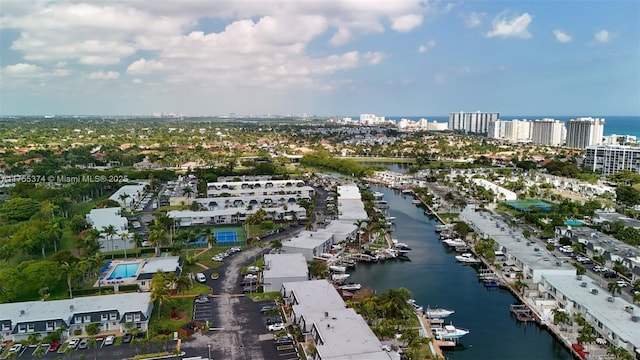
401, 248
467, 258
416, 202
351, 287
339, 277
438, 313
443, 227
391, 219
337, 268
449, 332
378, 195
454, 242
407, 191
417, 307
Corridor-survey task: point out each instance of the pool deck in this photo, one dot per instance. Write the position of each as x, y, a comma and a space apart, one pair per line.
103, 280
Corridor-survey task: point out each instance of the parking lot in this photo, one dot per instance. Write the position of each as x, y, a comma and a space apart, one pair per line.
203, 310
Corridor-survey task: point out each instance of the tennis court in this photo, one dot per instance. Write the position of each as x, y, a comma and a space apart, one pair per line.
527, 205
226, 237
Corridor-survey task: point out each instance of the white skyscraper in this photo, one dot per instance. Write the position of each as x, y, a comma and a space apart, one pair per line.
583, 132
547, 132
477, 122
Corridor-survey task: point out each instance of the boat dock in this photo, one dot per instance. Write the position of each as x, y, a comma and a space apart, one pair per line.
434, 345
522, 313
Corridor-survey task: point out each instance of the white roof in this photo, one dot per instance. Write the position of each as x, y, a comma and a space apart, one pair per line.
132, 190
341, 229
347, 336
102, 218
349, 192
181, 214
611, 314
65, 309
285, 266
313, 295
309, 239
164, 264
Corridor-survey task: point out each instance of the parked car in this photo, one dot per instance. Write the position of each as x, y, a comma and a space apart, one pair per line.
73, 342
202, 299
54, 345
127, 338
274, 320
285, 340
266, 308
109, 340
83, 343
276, 327
622, 283
610, 275
201, 278
16, 348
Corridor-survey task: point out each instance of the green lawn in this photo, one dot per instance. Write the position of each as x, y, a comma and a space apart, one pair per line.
274, 295
183, 306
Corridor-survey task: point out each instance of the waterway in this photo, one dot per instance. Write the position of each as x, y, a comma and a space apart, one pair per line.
436, 279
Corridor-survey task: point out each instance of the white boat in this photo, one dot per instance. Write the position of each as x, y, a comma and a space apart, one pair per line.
378, 195
337, 268
339, 277
416, 202
438, 313
449, 332
407, 191
417, 307
351, 287
442, 227
401, 248
467, 258
454, 242
391, 218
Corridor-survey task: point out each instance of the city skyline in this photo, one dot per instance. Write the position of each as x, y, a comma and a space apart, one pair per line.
322, 58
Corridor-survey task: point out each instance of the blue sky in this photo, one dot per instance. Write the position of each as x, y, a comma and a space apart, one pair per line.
319, 57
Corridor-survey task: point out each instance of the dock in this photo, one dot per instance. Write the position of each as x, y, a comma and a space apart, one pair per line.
434, 345
522, 313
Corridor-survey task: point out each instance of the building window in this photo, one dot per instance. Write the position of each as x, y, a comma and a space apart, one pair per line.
136, 317
6, 326
78, 319
22, 328
129, 317
30, 327
104, 317
51, 325
144, 283
87, 318
113, 316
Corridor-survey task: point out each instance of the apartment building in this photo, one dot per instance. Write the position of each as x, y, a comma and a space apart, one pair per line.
583, 132
548, 132
610, 159
472, 122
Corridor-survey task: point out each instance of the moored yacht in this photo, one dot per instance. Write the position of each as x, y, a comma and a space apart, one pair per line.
351, 287
467, 258
438, 313
339, 277
449, 332
454, 242
417, 307
337, 268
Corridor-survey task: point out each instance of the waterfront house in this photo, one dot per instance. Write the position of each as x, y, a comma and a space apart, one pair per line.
19, 320
309, 243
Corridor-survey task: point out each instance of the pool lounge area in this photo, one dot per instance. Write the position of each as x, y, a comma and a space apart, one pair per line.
119, 272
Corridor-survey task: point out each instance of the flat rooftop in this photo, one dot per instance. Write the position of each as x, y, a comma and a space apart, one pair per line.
309, 239
341, 229
611, 314
349, 192
285, 265
345, 335
102, 218
535, 255
313, 296
230, 211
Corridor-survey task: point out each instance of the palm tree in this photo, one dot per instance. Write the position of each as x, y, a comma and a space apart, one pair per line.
110, 231
187, 190
614, 288
159, 290
123, 197
318, 269
183, 282
276, 244
156, 237
393, 303
69, 270
559, 316
125, 236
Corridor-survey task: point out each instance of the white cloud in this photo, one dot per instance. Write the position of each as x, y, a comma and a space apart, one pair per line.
562, 36
406, 23
426, 47
474, 19
22, 69
515, 27
101, 75
602, 36
144, 66
137, 81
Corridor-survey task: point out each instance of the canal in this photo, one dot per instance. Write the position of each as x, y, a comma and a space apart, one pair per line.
436, 279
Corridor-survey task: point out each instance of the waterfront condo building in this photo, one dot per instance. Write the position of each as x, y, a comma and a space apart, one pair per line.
512, 130
548, 132
611, 159
583, 132
371, 119
472, 122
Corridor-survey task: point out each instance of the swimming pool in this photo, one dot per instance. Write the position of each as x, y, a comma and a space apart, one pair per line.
573, 223
124, 271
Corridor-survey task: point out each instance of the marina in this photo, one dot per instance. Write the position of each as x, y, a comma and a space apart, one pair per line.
435, 277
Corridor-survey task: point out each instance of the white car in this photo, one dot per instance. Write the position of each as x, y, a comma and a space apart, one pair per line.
74, 342
622, 283
16, 348
276, 327
109, 340
201, 278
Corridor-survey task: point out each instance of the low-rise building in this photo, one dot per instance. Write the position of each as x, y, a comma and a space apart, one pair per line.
128, 195
19, 320
259, 187
281, 268
102, 219
309, 243
233, 215
167, 264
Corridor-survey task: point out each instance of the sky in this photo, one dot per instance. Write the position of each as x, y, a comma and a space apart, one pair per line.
325, 58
